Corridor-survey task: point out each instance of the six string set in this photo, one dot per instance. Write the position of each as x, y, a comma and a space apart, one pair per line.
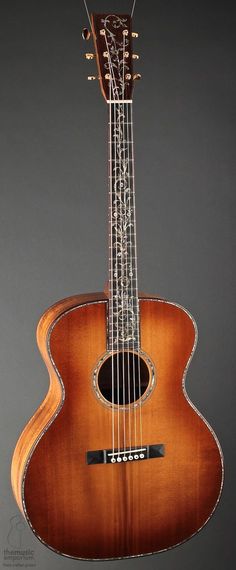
120, 114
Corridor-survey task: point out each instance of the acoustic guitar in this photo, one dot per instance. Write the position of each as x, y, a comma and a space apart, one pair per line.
117, 462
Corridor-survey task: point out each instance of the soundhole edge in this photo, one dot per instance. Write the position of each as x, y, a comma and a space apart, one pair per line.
103, 389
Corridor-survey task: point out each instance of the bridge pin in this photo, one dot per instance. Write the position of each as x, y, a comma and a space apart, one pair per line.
141, 456
113, 460
119, 459
136, 456
124, 458
130, 457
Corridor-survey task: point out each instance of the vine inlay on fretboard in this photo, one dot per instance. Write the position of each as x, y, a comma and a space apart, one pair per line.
123, 287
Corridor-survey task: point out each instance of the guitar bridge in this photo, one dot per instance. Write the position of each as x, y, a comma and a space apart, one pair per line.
125, 455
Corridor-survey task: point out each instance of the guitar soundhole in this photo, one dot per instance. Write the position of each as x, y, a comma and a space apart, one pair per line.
128, 374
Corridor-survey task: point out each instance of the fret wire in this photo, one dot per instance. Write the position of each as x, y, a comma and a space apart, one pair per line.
125, 122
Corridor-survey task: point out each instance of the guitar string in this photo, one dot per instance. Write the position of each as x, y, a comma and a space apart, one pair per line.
115, 182
136, 278
111, 154
133, 280
115, 96
132, 271
88, 14
128, 262
129, 270
133, 8
87, 10
129, 274
111, 273
130, 298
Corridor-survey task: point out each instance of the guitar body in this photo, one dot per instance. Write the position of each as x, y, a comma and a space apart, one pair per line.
102, 511
117, 462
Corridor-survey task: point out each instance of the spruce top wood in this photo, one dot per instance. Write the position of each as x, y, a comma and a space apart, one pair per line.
117, 461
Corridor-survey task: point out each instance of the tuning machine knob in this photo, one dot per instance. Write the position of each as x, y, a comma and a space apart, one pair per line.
89, 56
134, 35
135, 56
86, 34
91, 77
137, 76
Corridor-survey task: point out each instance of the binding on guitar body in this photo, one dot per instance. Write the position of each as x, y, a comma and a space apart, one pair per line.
117, 462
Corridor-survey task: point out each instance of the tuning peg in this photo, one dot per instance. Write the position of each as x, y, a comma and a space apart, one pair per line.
137, 76
89, 55
86, 34
135, 56
91, 77
134, 35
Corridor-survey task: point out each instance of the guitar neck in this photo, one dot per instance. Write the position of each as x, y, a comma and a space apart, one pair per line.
123, 283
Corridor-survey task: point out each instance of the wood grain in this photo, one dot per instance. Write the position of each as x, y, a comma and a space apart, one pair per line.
110, 511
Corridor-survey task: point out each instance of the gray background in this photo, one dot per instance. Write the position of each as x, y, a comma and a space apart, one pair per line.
53, 211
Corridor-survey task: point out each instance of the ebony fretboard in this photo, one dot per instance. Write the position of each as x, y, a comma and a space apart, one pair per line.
123, 286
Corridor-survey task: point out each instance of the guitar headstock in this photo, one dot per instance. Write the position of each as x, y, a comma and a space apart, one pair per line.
112, 36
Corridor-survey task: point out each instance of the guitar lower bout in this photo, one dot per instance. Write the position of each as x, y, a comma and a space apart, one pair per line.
82, 472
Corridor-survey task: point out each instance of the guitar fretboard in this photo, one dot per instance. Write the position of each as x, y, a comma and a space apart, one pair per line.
123, 285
